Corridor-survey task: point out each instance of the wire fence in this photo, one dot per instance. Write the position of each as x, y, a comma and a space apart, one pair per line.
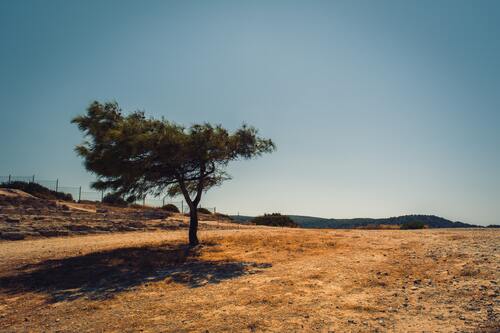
80, 194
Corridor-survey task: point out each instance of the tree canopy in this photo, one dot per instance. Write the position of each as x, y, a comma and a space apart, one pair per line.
133, 155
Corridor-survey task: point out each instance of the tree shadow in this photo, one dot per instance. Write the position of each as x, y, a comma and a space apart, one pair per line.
101, 275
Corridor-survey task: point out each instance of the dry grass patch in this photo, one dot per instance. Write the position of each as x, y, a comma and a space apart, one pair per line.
270, 246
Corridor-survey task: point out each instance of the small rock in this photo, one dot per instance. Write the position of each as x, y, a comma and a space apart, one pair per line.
12, 235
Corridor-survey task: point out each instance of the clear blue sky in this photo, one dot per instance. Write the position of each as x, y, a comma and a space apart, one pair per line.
378, 108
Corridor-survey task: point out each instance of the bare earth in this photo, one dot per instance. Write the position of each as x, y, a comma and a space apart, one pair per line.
253, 279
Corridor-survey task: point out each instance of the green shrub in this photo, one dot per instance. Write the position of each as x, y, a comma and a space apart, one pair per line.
38, 191
221, 216
413, 225
114, 199
202, 210
171, 208
276, 220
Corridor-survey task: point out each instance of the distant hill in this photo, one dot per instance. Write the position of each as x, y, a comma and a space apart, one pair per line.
323, 223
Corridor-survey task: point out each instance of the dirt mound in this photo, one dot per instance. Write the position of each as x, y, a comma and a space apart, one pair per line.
25, 216
9, 192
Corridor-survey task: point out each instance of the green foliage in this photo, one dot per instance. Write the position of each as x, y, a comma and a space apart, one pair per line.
413, 225
430, 221
135, 155
171, 208
114, 199
204, 211
38, 191
276, 220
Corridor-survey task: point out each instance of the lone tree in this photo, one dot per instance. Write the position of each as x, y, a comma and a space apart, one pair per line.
134, 156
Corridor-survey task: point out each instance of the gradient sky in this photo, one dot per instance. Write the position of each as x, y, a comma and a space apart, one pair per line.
378, 108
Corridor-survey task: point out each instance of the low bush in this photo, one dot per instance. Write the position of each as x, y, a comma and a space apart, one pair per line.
221, 216
114, 199
412, 225
171, 208
275, 220
38, 191
203, 211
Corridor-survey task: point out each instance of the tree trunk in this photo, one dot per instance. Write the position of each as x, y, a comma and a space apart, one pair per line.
193, 226
193, 213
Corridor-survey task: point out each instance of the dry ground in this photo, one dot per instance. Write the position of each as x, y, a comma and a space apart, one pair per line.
23, 216
254, 279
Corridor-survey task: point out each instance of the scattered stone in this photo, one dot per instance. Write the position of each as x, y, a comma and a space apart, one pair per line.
79, 227
53, 233
12, 235
138, 225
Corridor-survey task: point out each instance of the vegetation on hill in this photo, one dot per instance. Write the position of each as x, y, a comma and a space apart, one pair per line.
431, 221
114, 199
202, 210
221, 216
412, 225
171, 208
275, 220
38, 191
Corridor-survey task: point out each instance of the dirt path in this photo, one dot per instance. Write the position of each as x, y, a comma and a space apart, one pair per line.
263, 279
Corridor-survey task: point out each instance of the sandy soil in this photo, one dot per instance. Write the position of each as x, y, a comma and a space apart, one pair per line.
254, 279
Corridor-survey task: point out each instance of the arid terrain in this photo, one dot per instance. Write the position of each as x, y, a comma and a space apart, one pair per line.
243, 278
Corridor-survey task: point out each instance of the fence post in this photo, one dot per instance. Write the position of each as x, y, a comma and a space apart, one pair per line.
163, 203
102, 196
80, 194
9, 179
182, 207
144, 201
33, 179
215, 210
57, 184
